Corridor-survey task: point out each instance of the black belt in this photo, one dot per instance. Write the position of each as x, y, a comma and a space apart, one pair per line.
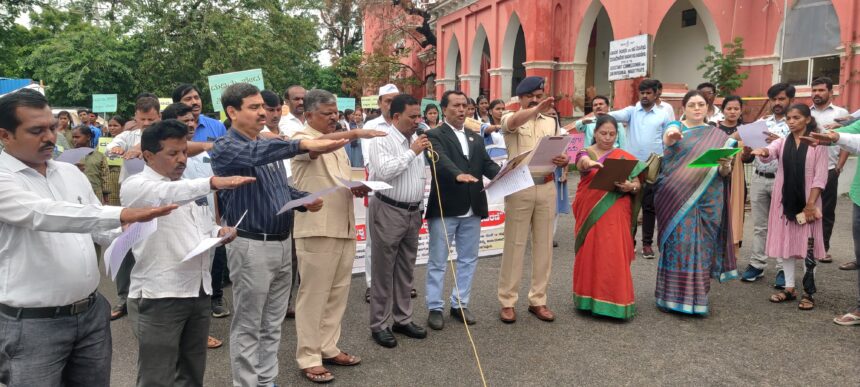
402, 205
262, 237
765, 175
72, 309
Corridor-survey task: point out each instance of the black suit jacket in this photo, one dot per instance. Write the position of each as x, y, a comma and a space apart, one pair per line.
457, 198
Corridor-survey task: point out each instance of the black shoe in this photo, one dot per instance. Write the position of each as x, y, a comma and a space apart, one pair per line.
455, 313
219, 309
384, 338
435, 320
413, 293
410, 330
367, 295
554, 243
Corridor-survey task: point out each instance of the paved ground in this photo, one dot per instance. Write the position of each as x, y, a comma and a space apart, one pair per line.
746, 339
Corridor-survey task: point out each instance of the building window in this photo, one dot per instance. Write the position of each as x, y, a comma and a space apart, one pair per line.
688, 17
810, 49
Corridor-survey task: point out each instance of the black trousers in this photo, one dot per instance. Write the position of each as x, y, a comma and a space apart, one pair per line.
649, 215
828, 202
219, 265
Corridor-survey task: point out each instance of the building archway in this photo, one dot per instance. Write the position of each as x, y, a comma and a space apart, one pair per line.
680, 43
591, 57
513, 56
479, 64
811, 49
453, 64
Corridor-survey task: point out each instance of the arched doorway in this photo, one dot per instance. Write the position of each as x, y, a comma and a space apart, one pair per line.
680, 43
810, 48
513, 56
479, 64
591, 57
453, 64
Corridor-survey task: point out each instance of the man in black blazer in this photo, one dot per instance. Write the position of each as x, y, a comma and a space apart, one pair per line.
460, 162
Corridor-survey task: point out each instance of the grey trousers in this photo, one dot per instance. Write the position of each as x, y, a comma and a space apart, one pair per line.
67, 351
171, 336
761, 190
395, 246
123, 277
856, 235
261, 273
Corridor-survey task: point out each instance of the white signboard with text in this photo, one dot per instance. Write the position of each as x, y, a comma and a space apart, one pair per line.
492, 229
628, 58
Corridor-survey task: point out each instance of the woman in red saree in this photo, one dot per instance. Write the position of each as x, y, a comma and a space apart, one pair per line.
605, 224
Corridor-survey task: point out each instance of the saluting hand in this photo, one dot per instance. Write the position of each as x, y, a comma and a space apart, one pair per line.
466, 178
230, 182
135, 215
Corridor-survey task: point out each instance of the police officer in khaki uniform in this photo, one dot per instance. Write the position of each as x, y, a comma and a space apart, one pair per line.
531, 210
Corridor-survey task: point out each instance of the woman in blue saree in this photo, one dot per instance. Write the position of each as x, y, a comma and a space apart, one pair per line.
693, 213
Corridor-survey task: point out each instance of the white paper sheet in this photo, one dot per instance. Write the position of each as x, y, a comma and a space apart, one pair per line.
307, 199
548, 148
373, 185
753, 135
516, 180
856, 114
73, 156
209, 243
120, 246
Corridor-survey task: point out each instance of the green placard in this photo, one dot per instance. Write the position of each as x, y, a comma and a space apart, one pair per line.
711, 157
217, 83
163, 103
104, 103
426, 102
111, 161
344, 103
370, 102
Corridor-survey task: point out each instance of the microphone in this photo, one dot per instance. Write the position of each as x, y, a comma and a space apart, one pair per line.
422, 129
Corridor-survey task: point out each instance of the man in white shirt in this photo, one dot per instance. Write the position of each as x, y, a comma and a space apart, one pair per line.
55, 328
126, 144
826, 113
383, 123
709, 91
397, 160
294, 121
169, 298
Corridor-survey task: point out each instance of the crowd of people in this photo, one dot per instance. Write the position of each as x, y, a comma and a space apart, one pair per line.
202, 179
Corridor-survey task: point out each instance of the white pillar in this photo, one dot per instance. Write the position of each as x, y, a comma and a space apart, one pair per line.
474, 81
505, 76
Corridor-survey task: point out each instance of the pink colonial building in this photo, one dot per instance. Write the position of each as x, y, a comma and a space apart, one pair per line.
487, 46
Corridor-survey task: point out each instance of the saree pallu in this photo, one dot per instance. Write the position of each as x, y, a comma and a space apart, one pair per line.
695, 235
604, 230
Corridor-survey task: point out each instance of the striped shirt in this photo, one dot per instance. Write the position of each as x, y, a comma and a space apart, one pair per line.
235, 154
392, 161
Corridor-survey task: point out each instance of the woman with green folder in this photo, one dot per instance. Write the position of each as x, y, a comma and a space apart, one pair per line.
602, 283
693, 213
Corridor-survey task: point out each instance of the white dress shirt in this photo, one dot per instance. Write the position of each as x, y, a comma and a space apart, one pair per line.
47, 257
159, 271
377, 123
392, 161
286, 162
824, 117
290, 124
197, 167
125, 140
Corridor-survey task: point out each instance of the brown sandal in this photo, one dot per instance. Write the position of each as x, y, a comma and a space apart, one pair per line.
213, 343
806, 303
783, 296
318, 374
343, 359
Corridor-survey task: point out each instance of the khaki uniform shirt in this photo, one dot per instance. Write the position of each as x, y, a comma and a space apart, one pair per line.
336, 219
527, 136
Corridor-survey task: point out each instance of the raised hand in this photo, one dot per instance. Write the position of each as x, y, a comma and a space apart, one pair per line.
675, 135
826, 138
230, 182
545, 104
134, 215
466, 178
369, 133
319, 146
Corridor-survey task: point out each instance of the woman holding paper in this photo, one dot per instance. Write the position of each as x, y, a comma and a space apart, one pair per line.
796, 204
692, 213
602, 282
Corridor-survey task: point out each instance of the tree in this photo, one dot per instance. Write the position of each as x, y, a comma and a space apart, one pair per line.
723, 70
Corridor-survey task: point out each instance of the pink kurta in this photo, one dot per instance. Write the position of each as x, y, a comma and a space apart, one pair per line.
786, 238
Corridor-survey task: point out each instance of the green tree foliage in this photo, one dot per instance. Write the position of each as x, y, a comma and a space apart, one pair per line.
132, 46
723, 70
